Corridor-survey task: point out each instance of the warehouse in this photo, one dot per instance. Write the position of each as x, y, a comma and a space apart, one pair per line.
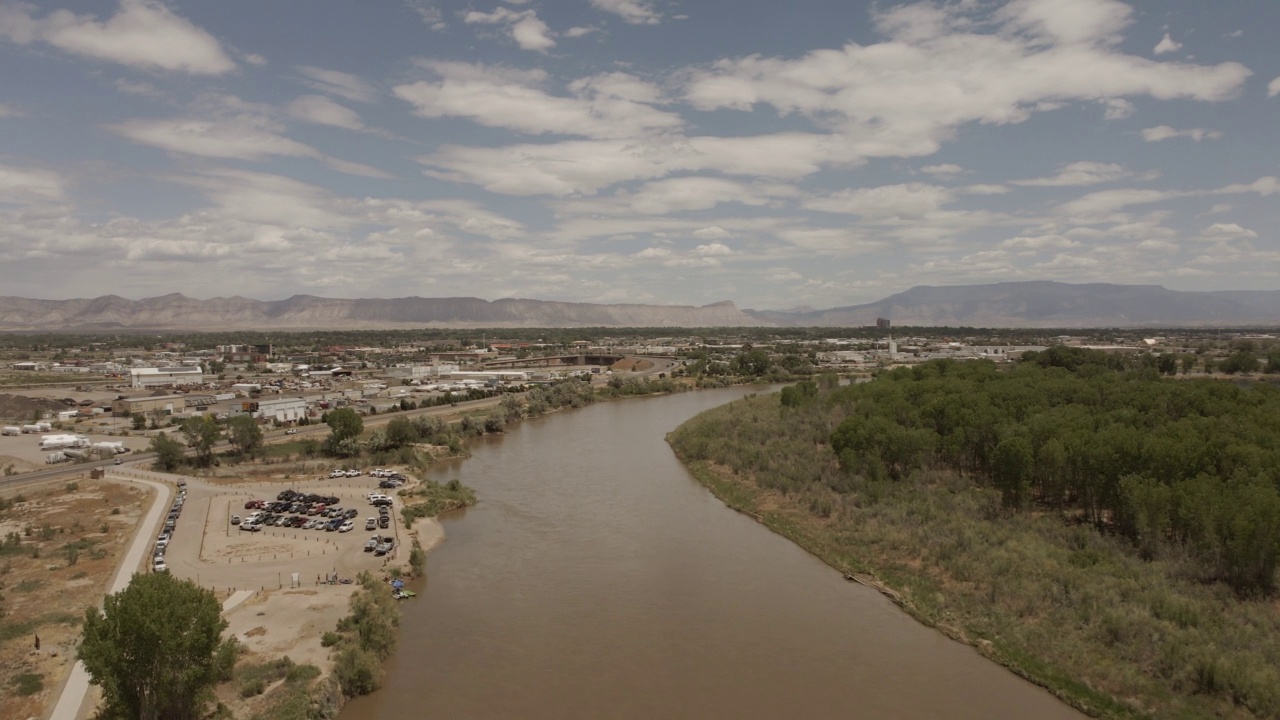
160, 377
167, 404
279, 410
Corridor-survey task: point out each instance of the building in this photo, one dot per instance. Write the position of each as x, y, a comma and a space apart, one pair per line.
168, 404
882, 323
146, 377
279, 410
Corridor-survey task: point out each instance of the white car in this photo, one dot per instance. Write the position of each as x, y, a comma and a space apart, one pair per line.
353, 473
375, 498
338, 474
160, 566
347, 526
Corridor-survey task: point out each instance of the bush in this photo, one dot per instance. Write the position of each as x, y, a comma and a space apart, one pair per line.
358, 671
329, 639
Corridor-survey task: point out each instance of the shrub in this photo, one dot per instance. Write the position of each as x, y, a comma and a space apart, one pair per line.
29, 683
358, 671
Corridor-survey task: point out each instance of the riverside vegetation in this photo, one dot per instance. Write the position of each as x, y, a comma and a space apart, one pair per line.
1108, 534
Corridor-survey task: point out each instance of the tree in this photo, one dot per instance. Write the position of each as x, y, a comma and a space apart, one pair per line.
400, 432
1011, 470
345, 424
202, 433
153, 648
139, 421
168, 453
245, 434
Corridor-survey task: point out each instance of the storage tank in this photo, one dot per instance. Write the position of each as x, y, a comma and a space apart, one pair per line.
107, 448
77, 454
53, 442
30, 428
11, 430
44, 426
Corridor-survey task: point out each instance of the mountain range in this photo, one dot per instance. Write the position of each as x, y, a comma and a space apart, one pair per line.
1034, 304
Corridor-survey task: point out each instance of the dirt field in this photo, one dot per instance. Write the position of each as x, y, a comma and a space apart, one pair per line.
61, 547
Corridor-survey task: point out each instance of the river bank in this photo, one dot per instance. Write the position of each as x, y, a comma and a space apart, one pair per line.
1071, 609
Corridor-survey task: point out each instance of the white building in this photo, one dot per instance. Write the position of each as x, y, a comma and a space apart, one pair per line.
282, 410
160, 377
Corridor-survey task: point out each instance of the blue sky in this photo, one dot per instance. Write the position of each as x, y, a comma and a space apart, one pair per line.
813, 153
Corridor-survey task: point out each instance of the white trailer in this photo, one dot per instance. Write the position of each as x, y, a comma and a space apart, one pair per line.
55, 442
108, 448
11, 430
44, 425
57, 457
30, 428
77, 454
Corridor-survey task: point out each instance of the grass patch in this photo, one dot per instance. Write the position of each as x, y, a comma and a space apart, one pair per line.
253, 678
28, 684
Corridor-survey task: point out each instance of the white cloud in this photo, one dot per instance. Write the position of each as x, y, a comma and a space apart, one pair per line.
1273, 87
906, 96
142, 33
255, 59
714, 248
1078, 173
1167, 45
580, 30
635, 12
141, 89
1103, 203
1164, 132
8, 111
333, 82
1227, 231
321, 110
984, 189
945, 171
912, 200
427, 11
525, 28
1117, 108
602, 106
227, 127
27, 185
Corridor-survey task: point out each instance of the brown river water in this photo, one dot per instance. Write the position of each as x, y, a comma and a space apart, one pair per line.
597, 579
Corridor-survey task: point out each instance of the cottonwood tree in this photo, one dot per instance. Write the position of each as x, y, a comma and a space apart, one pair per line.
154, 649
168, 452
202, 433
245, 434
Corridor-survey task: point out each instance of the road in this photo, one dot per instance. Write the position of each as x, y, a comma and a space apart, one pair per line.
76, 688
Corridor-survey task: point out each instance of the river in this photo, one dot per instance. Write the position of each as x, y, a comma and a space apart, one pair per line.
597, 579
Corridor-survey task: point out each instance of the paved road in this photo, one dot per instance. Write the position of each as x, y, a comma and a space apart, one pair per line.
75, 690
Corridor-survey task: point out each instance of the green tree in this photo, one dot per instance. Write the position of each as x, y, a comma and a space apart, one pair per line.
169, 453
153, 648
138, 420
401, 431
245, 434
344, 424
1011, 470
202, 433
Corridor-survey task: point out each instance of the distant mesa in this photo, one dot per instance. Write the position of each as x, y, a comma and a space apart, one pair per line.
1035, 304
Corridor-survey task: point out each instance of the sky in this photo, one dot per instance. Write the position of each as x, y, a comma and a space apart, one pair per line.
812, 153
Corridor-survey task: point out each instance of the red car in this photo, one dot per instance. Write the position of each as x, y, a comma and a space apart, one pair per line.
253, 505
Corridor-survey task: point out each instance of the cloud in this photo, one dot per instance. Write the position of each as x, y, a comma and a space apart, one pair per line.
600, 106
634, 12
227, 127
333, 82
912, 200
906, 96
1117, 108
580, 30
255, 59
143, 34
321, 110
713, 249
525, 28
141, 89
29, 185
945, 171
1101, 204
1078, 173
1227, 231
1164, 132
1166, 45
1273, 87
8, 111
427, 11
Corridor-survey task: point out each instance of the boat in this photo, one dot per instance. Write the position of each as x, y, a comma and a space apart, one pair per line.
402, 594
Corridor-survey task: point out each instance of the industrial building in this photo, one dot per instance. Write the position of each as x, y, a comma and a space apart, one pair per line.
279, 410
146, 377
164, 403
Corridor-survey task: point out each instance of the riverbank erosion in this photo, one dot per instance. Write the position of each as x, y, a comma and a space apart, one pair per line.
1070, 608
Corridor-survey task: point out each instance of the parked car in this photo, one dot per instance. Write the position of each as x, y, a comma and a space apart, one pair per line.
160, 566
383, 547
291, 431
347, 526
370, 523
235, 519
384, 522
251, 526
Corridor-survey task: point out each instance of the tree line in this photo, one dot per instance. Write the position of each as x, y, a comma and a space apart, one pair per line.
1185, 466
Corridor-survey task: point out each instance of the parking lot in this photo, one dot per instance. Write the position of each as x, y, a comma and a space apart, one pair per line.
292, 534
